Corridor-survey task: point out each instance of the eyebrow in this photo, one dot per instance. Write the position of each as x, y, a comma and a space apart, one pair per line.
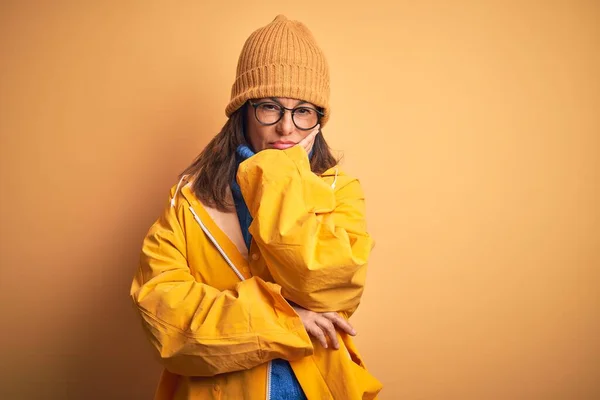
297, 104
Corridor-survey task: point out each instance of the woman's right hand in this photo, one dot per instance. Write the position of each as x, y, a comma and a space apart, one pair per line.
309, 141
322, 326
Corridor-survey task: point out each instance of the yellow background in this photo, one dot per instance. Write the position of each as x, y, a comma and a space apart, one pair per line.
473, 125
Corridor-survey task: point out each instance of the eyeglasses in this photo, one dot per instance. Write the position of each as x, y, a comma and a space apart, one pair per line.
269, 113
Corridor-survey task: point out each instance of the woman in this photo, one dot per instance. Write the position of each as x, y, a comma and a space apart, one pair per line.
247, 280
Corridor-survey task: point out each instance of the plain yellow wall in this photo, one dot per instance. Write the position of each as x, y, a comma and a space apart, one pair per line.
473, 125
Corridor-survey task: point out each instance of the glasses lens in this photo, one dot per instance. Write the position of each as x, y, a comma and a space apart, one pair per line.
271, 113
268, 113
305, 117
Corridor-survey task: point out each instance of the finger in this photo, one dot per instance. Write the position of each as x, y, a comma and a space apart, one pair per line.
328, 327
313, 135
304, 140
309, 147
315, 131
309, 139
310, 144
318, 334
341, 323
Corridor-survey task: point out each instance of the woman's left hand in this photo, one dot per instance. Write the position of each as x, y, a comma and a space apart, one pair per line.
308, 142
322, 326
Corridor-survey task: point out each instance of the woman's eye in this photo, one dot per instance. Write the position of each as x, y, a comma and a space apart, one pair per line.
270, 107
304, 111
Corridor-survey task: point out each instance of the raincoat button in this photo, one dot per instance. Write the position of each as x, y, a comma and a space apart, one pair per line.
255, 256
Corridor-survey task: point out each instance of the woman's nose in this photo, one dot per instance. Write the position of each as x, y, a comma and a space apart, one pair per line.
285, 126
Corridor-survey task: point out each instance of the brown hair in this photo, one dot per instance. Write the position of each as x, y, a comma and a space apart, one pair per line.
214, 169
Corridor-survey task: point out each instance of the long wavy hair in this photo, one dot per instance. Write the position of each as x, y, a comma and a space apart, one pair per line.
215, 167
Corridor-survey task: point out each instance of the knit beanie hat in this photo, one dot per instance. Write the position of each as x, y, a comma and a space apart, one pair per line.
281, 59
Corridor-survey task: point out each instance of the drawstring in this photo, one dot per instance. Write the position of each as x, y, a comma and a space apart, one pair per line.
177, 190
334, 179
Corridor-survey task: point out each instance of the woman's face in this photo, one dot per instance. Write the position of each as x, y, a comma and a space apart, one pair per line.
283, 134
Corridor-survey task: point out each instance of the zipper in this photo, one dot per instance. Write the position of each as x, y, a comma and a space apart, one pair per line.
268, 396
237, 272
214, 241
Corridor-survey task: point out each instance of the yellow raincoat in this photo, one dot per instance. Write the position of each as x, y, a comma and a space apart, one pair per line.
217, 315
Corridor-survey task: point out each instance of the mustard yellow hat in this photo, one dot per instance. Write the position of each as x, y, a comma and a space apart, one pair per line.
281, 59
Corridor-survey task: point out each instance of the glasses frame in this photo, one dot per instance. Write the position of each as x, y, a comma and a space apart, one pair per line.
292, 111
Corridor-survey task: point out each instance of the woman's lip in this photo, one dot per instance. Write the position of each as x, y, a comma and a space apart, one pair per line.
282, 145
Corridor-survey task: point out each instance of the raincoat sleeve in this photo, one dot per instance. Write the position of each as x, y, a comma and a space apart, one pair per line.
313, 237
199, 330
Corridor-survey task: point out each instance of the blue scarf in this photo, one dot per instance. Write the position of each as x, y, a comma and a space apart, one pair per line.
242, 153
